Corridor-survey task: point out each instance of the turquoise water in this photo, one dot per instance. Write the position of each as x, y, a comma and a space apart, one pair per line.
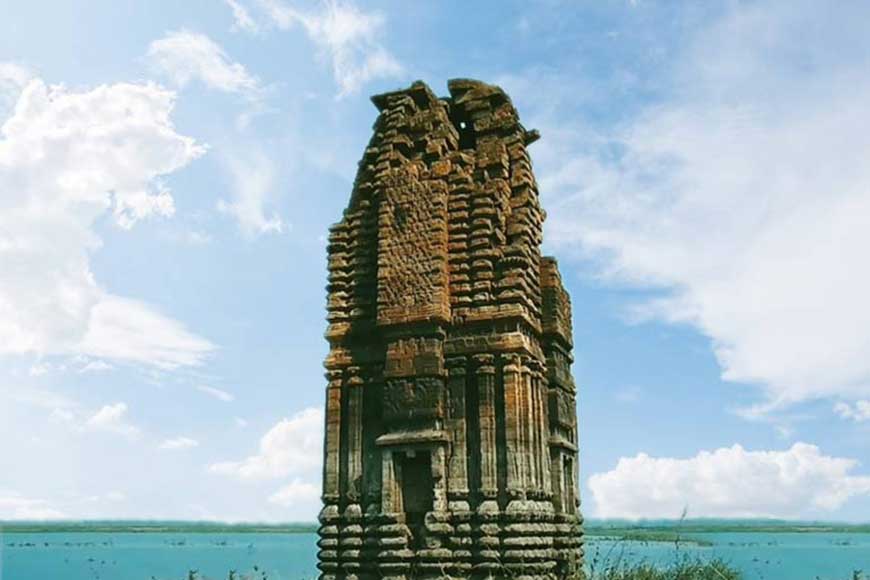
170, 556
768, 556
161, 556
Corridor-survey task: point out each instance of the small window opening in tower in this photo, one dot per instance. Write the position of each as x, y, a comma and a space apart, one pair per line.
464, 127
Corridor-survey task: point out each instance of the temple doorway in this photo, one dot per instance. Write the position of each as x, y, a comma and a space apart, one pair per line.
417, 491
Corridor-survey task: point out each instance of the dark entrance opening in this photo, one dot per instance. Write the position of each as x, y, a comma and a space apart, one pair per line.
417, 492
568, 475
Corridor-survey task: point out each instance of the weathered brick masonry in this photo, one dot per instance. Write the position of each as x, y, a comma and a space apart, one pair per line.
451, 429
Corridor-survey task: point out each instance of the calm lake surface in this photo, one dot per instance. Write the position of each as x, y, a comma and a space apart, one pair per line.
170, 556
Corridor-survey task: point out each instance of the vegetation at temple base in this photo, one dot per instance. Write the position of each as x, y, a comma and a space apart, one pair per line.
715, 570
685, 569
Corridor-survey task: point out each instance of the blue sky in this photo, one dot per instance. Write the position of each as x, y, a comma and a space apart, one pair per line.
170, 169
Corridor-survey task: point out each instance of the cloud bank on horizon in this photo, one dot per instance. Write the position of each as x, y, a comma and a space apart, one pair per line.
731, 482
153, 284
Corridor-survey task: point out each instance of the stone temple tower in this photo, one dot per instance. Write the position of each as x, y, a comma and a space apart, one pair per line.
451, 426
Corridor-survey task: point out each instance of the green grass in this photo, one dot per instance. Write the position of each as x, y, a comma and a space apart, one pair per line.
687, 569
683, 570
611, 564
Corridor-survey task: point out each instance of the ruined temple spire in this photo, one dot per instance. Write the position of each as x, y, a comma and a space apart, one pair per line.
451, 428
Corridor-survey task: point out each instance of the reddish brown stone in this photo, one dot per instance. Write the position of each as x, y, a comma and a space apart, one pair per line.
451, 440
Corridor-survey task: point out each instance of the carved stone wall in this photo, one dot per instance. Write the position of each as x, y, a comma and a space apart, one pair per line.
451, 425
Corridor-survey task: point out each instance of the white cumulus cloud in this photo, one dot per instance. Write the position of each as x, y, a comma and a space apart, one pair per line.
799, 482
13, 78
14, 506
95, 366
348, 36
14, 75
129, 330
185, 56
218, 394
292, 447
743, 195
252, 178
113, 419
242, 17
177, 443
858, 412
67, 158
298, 493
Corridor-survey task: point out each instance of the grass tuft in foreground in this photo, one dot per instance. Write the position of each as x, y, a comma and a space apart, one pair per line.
686, 569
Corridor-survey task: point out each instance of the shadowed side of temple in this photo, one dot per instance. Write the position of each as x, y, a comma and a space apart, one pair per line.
451, 425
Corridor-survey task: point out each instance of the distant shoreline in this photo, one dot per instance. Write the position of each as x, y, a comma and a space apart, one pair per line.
658, 530
145, 527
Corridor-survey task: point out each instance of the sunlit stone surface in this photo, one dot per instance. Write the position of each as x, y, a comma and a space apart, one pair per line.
451, 429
